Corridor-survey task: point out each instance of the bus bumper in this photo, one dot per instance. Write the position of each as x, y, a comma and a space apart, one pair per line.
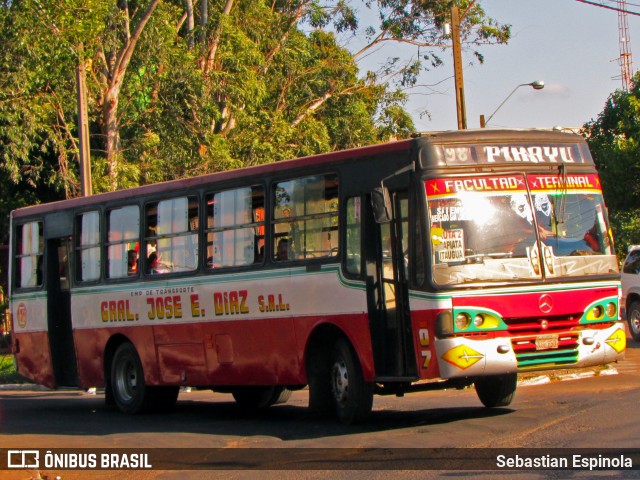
464, 357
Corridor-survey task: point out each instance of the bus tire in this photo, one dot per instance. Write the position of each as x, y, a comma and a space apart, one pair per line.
259, 398
496, 390
129, 391
633, 317
352, 396
319, 378
162, 399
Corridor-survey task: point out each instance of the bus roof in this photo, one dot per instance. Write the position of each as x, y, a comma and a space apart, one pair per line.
431, 147
193, 182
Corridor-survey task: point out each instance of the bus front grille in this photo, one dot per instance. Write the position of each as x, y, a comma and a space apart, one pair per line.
530, 355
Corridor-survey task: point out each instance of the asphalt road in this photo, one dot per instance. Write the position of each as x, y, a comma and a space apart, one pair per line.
565, 410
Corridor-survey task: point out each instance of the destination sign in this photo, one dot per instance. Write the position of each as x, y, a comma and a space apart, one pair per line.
545, 183
536, 154
445, 187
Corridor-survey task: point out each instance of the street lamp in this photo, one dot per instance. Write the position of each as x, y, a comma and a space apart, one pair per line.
537, 85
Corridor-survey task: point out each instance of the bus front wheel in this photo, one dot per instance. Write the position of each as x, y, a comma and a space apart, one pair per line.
259, 398
352, 396
496, 390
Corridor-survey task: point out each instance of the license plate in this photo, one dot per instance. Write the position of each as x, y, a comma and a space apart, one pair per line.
546, 342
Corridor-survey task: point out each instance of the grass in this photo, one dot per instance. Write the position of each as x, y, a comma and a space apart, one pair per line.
8, 372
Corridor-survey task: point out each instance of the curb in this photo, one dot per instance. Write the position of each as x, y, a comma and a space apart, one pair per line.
24, 387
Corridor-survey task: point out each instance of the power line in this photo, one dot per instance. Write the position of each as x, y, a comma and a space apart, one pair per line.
609, 7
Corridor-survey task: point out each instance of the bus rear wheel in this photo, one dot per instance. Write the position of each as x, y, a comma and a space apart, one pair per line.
128, 389
352, 396
259, 398
127, 380
496, 390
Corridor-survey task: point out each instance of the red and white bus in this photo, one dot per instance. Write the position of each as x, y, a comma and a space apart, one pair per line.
451, 259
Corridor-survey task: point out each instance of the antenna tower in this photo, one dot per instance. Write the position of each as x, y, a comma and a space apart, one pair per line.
626, 63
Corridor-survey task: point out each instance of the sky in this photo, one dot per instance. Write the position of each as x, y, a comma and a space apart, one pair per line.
571, 46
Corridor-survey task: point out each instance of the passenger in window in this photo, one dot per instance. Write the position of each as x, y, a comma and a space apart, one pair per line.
132, 263
152, 262
591, 239
282, 253
155, 265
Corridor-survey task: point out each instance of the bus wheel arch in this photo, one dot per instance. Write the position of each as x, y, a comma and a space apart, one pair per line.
335, 376
126, 385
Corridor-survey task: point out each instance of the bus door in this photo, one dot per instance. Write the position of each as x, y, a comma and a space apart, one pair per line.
390, 319
63, 355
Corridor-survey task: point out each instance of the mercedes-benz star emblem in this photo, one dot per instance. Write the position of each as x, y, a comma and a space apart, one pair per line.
545, 303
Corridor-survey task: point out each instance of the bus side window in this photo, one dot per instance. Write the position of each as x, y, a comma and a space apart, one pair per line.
305, 213
235, 227
354, 236
123, 246
172, 242
29, 258
88, 258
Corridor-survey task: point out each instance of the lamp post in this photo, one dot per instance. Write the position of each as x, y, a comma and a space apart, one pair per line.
536, 85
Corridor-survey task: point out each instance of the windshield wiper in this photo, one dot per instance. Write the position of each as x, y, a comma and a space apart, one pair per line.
560, 205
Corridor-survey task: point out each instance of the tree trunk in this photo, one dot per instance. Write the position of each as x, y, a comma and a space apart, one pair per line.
114, 79
190, 22
213, 48
112, 137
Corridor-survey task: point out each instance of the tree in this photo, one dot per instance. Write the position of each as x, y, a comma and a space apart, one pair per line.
37, 99
183, 87
614, 140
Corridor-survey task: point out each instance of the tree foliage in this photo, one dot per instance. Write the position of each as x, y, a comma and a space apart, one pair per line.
183, 87
614, 140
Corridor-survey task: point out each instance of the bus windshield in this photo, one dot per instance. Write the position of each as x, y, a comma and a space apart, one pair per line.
517, 227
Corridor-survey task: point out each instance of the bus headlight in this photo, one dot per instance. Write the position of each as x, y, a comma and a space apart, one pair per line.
597, 312
478, 320
463, 320
611, 310
444, 324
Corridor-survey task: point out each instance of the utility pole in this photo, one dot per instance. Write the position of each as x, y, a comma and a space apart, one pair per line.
457, 67
83, 131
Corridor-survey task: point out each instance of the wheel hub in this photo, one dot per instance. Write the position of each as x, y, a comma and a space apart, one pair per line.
126, 380
340, 382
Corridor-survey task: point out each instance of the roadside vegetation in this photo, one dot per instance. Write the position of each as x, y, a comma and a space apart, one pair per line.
8, 372
179, 88
614, 140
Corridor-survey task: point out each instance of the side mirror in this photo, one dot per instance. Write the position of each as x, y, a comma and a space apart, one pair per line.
381, 204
